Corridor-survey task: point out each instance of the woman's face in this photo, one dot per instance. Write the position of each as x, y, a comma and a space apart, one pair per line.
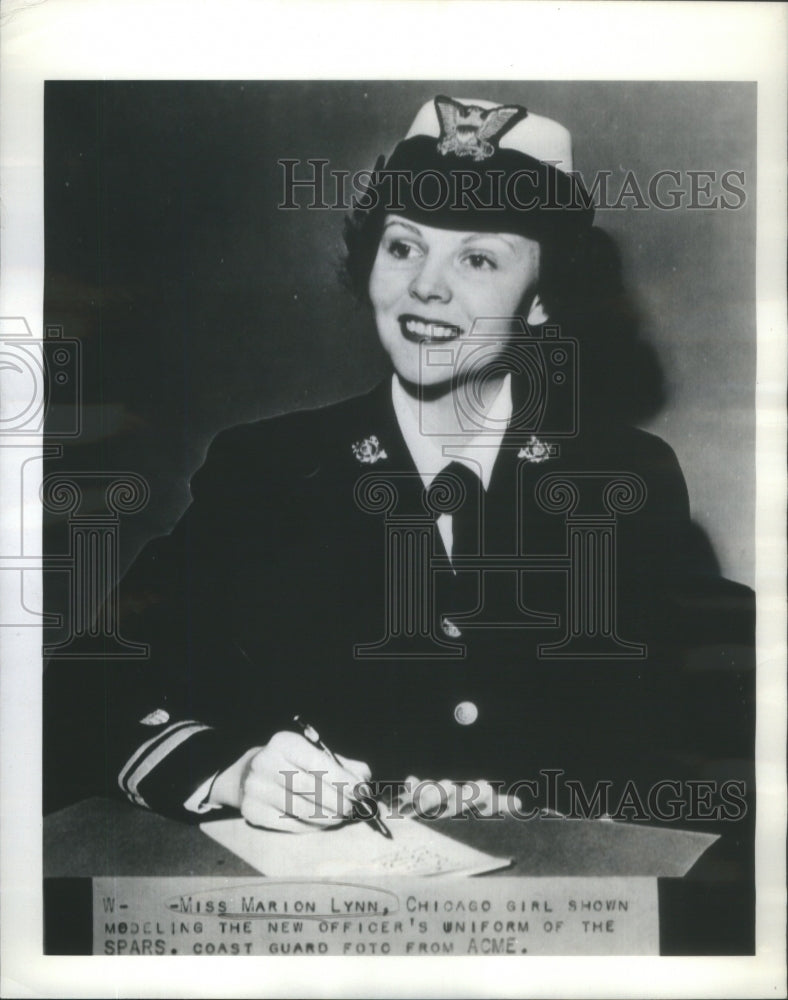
428, 286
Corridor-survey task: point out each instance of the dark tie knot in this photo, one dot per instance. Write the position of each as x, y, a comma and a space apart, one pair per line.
456, 490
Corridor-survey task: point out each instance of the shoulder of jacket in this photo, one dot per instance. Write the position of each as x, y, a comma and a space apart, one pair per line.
624, 442
294, 442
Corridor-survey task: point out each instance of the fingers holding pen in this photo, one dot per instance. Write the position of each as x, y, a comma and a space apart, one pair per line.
357, 767
340, 777
292, 785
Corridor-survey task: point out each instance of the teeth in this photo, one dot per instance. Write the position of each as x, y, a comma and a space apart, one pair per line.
435, 331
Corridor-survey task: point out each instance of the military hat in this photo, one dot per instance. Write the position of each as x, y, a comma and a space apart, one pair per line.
472, 164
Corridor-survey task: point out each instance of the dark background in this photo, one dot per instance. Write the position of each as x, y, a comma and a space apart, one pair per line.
199, 304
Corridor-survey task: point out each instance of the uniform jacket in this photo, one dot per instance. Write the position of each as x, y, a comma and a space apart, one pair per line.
255, 605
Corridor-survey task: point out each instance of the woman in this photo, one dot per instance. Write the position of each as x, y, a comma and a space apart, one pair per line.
299, 581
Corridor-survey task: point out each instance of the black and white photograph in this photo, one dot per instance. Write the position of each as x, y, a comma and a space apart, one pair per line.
392, 521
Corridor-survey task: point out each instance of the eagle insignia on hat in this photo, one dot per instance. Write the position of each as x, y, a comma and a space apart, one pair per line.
470, 130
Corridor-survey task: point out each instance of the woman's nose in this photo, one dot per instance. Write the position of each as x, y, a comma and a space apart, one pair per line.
430, 284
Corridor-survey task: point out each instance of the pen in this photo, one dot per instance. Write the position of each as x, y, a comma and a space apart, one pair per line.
311, 734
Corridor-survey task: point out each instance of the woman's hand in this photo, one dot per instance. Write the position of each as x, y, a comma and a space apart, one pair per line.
445, 799
290, 785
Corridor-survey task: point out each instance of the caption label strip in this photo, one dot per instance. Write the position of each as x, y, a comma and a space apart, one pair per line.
501, 916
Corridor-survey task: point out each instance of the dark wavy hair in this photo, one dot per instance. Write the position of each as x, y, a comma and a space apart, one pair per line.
582, 288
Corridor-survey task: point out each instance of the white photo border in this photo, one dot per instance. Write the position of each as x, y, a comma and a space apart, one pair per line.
258, 39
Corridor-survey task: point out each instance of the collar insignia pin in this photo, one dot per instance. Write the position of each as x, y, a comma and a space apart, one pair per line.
156, 718
368, 451
536, 451
449, 628
467, 129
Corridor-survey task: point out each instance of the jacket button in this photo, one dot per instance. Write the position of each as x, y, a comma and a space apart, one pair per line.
466, 713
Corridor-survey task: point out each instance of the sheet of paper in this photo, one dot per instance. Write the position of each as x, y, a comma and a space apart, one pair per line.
352, 850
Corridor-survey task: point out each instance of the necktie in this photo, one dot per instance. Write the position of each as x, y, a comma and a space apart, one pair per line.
456, 479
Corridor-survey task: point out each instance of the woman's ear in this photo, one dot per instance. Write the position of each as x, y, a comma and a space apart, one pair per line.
537, 314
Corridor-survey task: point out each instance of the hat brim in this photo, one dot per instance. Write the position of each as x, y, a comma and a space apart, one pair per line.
508, 191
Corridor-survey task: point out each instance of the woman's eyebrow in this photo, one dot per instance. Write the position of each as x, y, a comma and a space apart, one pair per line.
485, 236
405, 225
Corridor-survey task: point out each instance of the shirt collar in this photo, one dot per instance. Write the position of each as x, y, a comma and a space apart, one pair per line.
431, 454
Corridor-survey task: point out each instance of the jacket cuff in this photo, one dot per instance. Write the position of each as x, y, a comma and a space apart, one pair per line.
164, 772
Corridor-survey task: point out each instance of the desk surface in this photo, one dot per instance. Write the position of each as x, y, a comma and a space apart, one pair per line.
105, 837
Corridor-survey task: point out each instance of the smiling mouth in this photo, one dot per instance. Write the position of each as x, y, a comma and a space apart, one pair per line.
420, 331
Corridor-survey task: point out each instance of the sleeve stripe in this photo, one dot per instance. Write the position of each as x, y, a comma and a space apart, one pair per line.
148, 756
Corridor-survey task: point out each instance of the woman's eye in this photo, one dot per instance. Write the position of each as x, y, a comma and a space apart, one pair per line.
480, 262
402, 250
